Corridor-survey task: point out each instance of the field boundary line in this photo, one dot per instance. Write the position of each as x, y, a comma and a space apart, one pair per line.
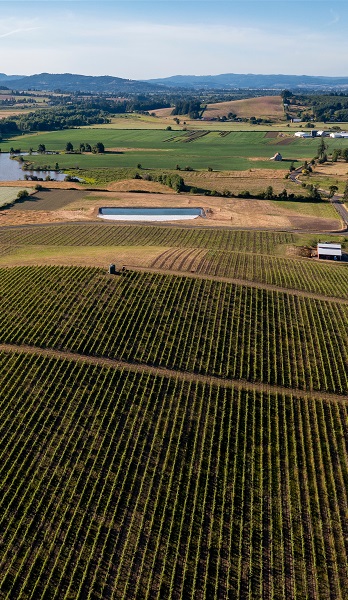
240, 384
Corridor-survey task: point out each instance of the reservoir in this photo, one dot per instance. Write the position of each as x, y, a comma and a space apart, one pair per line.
150, 214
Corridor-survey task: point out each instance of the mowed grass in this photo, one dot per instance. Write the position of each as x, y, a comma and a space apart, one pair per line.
238, 150
9, 194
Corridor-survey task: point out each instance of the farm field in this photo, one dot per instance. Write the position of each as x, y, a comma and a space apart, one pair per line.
119, 474
267, 257
62, 205
9, 194
177, 431
267, 107
202, 326
221, 150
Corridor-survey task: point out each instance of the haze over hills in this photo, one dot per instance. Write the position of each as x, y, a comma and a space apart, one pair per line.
69, 82
233, 80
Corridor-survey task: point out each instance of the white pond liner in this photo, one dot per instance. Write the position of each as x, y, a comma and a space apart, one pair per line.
149, 214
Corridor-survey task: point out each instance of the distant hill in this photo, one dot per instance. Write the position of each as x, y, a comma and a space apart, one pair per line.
68, 82
233, 80
7, 78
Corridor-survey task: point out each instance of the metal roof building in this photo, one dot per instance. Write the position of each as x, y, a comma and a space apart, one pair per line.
329, 250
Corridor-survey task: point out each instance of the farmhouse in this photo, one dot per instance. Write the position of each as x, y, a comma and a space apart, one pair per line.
328, 250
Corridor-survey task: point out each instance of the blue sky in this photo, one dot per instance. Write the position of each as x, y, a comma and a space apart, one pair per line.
141, 39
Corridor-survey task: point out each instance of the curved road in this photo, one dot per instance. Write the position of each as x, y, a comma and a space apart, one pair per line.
335, 200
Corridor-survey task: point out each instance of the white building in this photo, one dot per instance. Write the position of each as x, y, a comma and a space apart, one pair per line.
302, 134
328, 250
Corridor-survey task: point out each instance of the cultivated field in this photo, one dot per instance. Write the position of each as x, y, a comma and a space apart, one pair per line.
267, 107
220, 150
169, 436
8, 194
129, 485
56, 206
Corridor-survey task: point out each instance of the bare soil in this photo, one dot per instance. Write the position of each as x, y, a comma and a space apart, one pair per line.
50, 200
219, 211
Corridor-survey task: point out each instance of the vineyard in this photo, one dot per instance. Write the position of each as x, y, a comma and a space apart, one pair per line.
135, 235
309, 276
166, 436
201, 326
122, 485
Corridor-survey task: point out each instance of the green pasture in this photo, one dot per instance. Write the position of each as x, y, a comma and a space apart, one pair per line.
239, 150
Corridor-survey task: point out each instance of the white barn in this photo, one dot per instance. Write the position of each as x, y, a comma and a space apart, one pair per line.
328, 250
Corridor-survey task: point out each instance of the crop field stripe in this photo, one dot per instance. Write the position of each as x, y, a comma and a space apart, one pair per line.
174, 469
100, 234
19, 509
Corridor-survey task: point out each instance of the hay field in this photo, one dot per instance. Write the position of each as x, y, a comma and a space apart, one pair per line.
266, 107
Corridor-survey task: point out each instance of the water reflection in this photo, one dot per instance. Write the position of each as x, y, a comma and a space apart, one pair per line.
11, 170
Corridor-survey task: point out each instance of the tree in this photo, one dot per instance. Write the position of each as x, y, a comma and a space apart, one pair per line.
269, 193
98, 148
322, 149
345, 193
69, 147
336, 153
41, 148
82, 147
332, 190
22, 194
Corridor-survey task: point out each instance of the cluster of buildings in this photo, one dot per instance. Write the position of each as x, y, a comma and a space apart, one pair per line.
314, 133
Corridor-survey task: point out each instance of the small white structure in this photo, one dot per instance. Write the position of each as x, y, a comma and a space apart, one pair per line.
329, 251
302, 134
335, 135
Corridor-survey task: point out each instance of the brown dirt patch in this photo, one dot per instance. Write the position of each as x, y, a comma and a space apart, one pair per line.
286, 141
163, 112
50, 200
272, 134
332, 169
266, 106
230, 212
57, 185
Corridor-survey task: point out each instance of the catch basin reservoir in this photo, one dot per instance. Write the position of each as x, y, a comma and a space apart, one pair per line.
150, 214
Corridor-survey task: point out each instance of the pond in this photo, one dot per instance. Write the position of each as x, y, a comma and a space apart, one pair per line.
150, 214
11, 170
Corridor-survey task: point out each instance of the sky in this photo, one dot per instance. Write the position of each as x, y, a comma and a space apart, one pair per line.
142, 39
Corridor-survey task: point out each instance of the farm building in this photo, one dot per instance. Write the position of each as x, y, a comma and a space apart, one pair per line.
328, 250
302, 134
277, 156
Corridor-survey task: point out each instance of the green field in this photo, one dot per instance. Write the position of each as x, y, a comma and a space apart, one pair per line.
173, 436
164, 149
127, 485
202, 326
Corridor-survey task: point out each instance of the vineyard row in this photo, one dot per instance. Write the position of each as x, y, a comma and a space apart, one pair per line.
121, 485
195, 325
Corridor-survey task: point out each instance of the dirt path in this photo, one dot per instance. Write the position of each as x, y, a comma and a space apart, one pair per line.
163, 372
